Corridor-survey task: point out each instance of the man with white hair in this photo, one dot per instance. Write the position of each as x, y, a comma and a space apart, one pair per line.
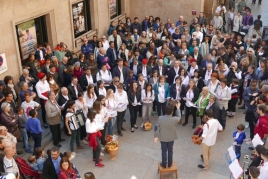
207, 73
161, 68
27, 78
179, 22
173, 72
196, 55
232, 72
25, 88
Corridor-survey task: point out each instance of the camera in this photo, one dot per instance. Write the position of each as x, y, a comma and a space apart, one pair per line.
232, 68
251, 97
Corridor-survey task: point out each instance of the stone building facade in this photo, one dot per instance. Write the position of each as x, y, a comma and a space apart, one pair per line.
53, 21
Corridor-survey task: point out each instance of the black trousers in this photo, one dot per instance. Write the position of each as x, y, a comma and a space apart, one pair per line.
96, 153
56, 134
42, 103
161, 106
133, 110
103, 137
231, 104
83, 132
251, 129
154, 105
222, 117
37, 138
188, 111
119, 119
140, 109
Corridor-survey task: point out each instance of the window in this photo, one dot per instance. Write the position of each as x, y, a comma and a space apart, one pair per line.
115, 8
30, 34
81, 17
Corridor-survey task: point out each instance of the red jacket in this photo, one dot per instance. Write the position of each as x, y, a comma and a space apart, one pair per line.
261, 126
67, 174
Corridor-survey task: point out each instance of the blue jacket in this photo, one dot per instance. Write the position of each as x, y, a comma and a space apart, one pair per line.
112, 58
240, 138
100, 60
87, 49
167, 91
156, 26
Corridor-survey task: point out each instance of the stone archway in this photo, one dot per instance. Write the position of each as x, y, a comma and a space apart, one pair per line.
209, 8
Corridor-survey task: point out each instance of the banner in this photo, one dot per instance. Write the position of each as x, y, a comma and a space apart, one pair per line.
79, 20
3, 63
27, 38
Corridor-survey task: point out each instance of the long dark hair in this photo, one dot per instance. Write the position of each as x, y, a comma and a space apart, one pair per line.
97, 106
131, 90
99, 83
91, 114
185, 72
188, 87
147, 85
99, 98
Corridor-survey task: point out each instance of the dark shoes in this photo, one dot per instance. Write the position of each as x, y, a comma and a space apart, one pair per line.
62, 140
164, 166
194, 125
201, 166
57, 145
251, 148
231, 116
136, 127
19, 152
201, 157
124, 120
132, 129
239, 103
123, 129
242, 107
29, 151
185, 123
120, 133
45, 125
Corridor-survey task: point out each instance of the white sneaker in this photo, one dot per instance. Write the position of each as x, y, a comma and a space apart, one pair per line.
182, 111
246, 125
101, 154
73, 154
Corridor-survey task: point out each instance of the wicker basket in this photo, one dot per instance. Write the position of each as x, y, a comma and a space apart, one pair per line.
113, 153
147, 126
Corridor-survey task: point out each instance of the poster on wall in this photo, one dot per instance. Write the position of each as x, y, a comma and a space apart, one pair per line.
113, 10
79, 21
3, 63
27, 38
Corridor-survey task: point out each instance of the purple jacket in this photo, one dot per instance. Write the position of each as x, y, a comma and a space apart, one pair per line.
248, 20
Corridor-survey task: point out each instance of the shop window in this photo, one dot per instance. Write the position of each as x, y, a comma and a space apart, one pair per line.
30, 34
115, 8
81, 17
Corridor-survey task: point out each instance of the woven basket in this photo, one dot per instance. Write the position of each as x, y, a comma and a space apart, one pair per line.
147, 126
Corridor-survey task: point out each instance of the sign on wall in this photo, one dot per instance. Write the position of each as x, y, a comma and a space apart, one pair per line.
3, 63
79, 16
113, 9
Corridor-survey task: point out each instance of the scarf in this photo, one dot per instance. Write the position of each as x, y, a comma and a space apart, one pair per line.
11, 86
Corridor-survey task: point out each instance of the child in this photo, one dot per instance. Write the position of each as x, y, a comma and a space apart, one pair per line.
29, 104
239, 137
232, 103
34, 127
254, 172
89, 175
21, 124
32, 162
40, 160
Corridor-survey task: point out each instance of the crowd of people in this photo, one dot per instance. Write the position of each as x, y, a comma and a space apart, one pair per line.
206, 67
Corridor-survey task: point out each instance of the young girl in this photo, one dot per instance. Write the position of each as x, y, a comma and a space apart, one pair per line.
94, 136
69, 156
90, 96
154, 81
147, 98
162, 93
199, 82
80, 104
75, 133
134, 98
111, 105
66, 170
122, 101
40, 160
177, 92
100, 90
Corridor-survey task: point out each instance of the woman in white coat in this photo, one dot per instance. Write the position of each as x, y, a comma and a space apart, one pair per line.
238, 19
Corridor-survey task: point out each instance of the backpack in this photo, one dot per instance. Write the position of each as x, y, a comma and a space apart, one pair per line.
26, 171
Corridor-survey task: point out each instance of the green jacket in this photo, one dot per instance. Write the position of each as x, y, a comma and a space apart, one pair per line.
203, 104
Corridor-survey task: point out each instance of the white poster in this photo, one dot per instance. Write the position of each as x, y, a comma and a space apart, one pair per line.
3, 63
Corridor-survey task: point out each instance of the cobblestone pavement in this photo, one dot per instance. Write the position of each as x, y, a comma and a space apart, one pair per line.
138, 155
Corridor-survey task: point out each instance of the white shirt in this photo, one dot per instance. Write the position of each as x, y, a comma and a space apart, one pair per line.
81, 106
91, 127
105, 45
89, 101
212, 87
111, 104
66, 97
29, 106
219, 9
210, 132
144, 71
209, 105
192, 69
189, 97
135, 69
69, 114
102, 91
89, 79
147, 99
75, 89
237, 74
10, 165
185, 80
142, 84
121, 79
104, 76
121, 98
264, 171
178, 91
207, 76
161, 93
225, 95
160, 70
42, 87
200, 36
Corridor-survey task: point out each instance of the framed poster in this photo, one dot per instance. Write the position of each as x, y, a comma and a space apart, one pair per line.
27, 38
79, 18
3, 63
113, 8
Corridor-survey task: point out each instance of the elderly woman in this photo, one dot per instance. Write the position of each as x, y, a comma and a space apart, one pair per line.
212, 104
53, 111
78, 71
202, 102
10, 120
144, 38
8, 80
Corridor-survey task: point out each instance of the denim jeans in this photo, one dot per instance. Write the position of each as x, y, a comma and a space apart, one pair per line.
167, 150
37, 139
75, 137
237, 151
111, 126
25, 138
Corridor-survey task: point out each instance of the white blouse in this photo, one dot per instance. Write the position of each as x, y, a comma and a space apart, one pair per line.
161, 94
111, 104
121, 98
212, 87
189, 97
89, 101
102, 92
81, 106
91, 127
149, 98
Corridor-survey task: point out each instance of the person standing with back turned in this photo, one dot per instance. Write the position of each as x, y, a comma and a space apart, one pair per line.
165, 130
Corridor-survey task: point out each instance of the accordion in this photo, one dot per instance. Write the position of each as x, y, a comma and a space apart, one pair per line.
78, 119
